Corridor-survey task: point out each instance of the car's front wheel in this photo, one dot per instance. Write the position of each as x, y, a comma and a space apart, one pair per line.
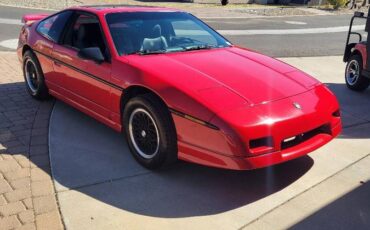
33, 76
355, 80
150, 131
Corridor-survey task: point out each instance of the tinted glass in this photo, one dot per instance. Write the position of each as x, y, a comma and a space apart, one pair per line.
52, 27
85, 33
155, 32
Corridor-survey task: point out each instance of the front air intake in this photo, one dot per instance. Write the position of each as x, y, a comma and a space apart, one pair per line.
300, 138
261, 145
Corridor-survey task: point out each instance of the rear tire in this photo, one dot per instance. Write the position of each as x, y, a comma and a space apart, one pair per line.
150, 131
353, 75
34, 77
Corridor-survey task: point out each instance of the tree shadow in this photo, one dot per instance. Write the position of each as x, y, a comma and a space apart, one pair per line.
352, 211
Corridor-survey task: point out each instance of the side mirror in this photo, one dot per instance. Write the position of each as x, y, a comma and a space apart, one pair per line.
91, 53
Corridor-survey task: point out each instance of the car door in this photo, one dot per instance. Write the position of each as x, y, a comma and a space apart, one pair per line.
49, 30
84, 82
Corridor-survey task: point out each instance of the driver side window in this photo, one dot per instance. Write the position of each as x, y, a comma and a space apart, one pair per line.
85, 32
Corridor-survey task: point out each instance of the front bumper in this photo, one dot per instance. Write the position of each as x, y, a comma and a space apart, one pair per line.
202, 156
234, 146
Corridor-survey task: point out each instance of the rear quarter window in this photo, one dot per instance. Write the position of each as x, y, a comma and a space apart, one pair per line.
52, 27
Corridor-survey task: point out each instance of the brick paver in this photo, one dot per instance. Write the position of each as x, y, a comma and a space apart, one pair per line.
27, 196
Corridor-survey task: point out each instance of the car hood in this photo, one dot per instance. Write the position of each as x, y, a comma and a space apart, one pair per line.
254, 77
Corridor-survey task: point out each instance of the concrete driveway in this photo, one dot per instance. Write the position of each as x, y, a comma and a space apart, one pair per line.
100, 186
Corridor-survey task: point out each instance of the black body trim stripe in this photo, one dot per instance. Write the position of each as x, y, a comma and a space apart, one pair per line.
194, 119
81, 71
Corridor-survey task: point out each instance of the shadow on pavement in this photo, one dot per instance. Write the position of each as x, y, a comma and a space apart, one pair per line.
352, 211
189, 190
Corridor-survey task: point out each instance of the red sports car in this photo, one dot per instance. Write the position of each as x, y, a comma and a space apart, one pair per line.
175, 87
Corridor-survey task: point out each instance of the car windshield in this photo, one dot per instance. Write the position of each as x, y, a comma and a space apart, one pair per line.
161, 32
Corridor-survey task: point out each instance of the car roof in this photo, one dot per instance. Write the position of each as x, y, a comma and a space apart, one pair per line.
105, 9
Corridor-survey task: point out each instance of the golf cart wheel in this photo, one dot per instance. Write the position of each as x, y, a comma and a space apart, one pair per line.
33, 76
353, 75
224, 2
150, 131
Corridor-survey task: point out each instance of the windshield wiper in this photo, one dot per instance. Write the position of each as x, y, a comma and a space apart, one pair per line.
147, 52
198, 47
184, 48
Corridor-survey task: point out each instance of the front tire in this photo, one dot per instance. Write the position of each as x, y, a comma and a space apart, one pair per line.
150, 131
353, 75
34, 77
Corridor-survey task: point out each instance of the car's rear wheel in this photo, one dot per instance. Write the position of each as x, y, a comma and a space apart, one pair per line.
353, 75
33, 76
150, 131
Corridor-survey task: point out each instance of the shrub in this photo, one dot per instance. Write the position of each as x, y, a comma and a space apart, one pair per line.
337, 3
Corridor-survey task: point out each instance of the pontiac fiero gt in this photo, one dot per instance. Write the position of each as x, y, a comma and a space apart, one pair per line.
175, 87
